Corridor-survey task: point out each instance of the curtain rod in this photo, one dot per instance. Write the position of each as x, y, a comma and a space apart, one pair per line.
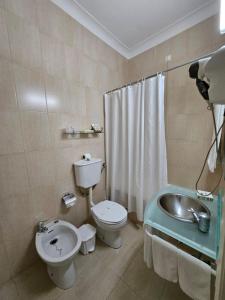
164, 71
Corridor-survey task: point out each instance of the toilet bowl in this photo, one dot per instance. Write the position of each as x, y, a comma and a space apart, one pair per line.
57, 245
110, 218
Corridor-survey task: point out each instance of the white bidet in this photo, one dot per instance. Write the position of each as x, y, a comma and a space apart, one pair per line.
57, 242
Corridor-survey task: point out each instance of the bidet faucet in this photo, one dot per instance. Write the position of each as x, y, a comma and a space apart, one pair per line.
41, 226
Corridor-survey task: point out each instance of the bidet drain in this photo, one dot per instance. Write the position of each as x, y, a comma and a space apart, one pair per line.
53, 242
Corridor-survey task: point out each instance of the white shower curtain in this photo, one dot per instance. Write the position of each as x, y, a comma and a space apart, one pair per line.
135, 143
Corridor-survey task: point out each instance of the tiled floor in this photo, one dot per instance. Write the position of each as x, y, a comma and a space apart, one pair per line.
106, 274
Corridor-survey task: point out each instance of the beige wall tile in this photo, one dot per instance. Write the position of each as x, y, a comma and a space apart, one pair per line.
184, 154
143, 68
161, 51
183, 176
73, 63
13, 175
114, 61
35, 130
53, 56
57, 95
4, 40
209, 180
94, 106
178, 77
10, 133
44, 203
21, 251
30, 89
200, 38
58, 123
41, 169
194, 103
179, 49
88, 72
90, 45
105, 79
176, 127
55, 22
12, 219
78, 36
76, 93
199, 127
24, 42
24, 8
176, 100
8, 101
64, 160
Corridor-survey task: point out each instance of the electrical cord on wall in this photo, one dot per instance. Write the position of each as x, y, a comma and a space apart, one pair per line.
211, 107
203, 167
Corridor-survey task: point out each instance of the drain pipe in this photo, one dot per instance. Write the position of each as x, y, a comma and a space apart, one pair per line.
91, 203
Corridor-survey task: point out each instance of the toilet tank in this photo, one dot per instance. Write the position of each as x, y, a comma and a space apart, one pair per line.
88, 172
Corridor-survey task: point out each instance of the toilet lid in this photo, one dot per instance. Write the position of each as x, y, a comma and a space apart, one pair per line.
109, 211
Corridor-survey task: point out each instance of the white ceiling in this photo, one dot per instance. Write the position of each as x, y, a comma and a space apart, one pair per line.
133, 26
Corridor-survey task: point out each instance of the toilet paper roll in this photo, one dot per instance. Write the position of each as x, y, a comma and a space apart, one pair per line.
87, 156
70, 202
69, 199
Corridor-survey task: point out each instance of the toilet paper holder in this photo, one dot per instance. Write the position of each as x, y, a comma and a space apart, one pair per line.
69, 199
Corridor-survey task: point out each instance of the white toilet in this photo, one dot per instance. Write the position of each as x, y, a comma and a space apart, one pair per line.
57, 242
109, 216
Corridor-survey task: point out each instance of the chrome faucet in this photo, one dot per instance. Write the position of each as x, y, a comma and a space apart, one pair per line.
41, 226
202, 218
195, 214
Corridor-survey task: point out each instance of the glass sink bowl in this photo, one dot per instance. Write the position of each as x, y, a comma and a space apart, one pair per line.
177, 206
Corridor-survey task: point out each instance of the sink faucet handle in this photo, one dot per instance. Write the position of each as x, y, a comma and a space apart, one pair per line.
195, 214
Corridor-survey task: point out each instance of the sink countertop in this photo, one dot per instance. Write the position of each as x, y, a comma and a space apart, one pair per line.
187, 233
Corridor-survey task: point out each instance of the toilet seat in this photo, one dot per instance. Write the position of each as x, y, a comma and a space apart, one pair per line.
109, 212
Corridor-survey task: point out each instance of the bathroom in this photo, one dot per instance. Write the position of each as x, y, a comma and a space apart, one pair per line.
58, 59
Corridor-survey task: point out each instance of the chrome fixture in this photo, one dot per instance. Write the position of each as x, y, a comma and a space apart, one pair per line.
42, 226
178, 207
203, 220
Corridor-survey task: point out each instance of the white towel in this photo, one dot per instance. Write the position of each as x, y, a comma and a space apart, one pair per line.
165, 260
148, 249
219, 115
194, 276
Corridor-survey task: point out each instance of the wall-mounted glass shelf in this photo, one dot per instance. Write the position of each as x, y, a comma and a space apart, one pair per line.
72, 131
